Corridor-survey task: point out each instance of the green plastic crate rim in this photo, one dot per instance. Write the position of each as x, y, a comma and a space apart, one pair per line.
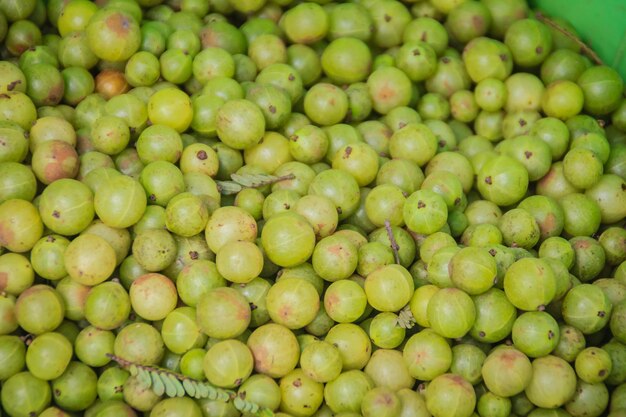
601, 24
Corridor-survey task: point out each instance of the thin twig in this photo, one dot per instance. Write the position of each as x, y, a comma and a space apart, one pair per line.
394, 245
583, 46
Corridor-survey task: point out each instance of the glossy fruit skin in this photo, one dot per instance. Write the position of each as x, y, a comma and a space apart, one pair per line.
535, 269
519, 229
487, 58
467, 361
340, 187
231, 118
14, 353
598, 85
508, 380
530, 42
292, 303
66, 207
389, 87
389, 288
415, 142
35, 304
268, 343
353, 343
89, 259
321, 361
180, 331
228, 363
23, 394
113, 27
593, 365
346, 60
300, 398
92, 344
76, 389
48, 358
228, 304
413, 116
161, 109
279, 241
427, 367
107, 306
380, 401
477, 263
585, 308
425, 212
503, 180
562, 99
535, 333
153, 296
326, 104
139, 342
440, 308
450, 388
120, 202
606, 193
417, 59
346, 392
546, 370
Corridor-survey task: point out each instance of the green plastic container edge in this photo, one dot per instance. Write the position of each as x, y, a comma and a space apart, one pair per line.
601, 24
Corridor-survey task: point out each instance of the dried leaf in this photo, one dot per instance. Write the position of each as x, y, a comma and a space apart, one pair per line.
229, 187
253, 180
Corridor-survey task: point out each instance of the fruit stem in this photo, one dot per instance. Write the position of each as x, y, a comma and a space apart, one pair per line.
27, 339
394, 245
583, 46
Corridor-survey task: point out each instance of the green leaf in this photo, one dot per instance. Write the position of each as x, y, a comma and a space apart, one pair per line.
239, 404
189, 387
180, 390
198, 394
204, 391
253, 180
229, 187
250, 407
157, 385
170, 388
213, 394
223, 395
266, 412
144, 377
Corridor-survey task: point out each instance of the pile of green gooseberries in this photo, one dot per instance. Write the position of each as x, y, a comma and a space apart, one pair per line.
366, 208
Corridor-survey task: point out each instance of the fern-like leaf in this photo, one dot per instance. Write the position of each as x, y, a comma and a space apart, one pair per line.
190, 388
157, 385
144, 377
165, 382
170, 388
